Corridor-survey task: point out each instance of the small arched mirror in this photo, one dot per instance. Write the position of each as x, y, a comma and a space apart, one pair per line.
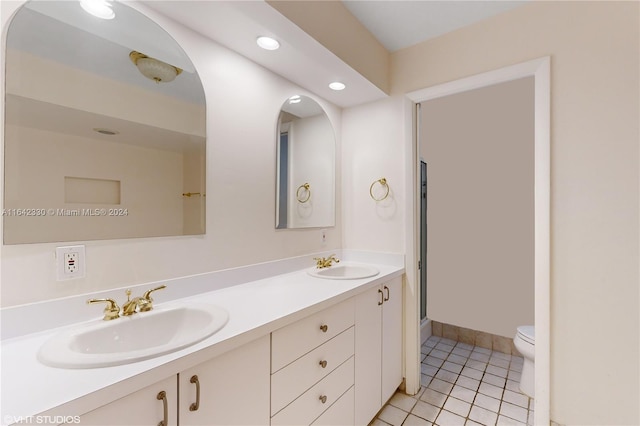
104, 127
306, 150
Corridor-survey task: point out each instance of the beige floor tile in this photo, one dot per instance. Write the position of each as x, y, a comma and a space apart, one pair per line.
433, 397
516, 398
506, 421
464, 394
392, 415
425, 410
468, 382
412, 420
447, 418
484, 401
441, 386
402, 401
513, 411
483, 416
457, 406
490, 390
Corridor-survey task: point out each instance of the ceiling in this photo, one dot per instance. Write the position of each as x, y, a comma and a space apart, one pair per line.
236, 24
302, 59
399, 24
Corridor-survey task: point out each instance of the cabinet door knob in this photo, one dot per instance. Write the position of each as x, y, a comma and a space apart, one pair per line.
324, 328
162, 396
323, 398
194, 406
323, 364
387, 290
381, 297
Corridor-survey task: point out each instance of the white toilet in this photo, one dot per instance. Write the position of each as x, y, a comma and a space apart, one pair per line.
525, 341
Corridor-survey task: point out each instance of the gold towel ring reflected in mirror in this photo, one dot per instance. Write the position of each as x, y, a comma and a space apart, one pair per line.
382, 182
299, 195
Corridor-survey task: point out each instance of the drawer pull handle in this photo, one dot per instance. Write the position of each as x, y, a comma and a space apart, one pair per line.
323, 398
323, 364
381, 297
324, 328
387, 289
195, 405
162, 396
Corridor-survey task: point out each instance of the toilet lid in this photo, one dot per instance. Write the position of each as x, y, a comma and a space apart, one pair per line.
527, 333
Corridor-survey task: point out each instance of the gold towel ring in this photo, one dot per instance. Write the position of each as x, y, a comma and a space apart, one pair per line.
382, 182
307, 188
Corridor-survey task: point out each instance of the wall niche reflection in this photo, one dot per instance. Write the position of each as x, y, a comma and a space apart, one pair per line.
94, 149
305, 147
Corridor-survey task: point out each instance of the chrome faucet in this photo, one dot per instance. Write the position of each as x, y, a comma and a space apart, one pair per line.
130, 307
322, 262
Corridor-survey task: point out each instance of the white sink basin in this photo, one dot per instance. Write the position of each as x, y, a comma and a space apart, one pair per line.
344, 272
133, 338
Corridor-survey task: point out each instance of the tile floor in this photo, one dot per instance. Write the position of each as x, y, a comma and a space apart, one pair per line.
462, 385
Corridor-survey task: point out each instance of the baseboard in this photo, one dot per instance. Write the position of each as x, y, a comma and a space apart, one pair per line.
425, 330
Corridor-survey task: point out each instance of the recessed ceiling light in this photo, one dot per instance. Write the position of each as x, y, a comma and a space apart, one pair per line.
295, 99
268, 43
336, 85
98, 8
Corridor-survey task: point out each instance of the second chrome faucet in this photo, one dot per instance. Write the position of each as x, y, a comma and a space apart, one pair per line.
142, 303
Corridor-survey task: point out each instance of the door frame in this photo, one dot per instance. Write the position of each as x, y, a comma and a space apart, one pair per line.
539, 69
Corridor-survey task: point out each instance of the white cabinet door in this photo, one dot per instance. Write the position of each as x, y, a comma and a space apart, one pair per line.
234, 388
145, 407
368, 355
391, 338
378, 368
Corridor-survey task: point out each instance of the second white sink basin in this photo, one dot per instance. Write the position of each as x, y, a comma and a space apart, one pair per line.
344, 271
134, 338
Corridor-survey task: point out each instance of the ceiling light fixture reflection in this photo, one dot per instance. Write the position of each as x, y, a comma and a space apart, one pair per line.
295, 99
268, 43
336, 85
154, 69
98, 8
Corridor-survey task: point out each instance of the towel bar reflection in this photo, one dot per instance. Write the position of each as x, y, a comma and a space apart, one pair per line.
384, 184
300, 194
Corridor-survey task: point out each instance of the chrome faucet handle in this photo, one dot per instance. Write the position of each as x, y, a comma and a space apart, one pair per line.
146, 302
111, 311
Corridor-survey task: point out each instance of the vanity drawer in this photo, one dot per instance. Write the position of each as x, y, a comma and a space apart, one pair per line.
291, 381
341, 413
291, 342
309, 406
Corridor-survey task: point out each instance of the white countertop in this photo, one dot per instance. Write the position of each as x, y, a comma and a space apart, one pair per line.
255, 309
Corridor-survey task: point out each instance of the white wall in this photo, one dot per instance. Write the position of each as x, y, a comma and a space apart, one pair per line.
312, 159
478, 146
594, 48
243, 103
373, 138
150, 181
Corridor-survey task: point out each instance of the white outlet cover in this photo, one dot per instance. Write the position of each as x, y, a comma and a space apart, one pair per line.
80, 264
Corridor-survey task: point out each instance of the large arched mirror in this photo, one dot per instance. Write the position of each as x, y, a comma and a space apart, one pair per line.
104, 127
306, 150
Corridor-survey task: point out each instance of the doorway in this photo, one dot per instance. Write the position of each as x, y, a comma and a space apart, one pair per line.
539, 69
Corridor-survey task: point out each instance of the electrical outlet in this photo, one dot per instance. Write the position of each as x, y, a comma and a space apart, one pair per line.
70, 262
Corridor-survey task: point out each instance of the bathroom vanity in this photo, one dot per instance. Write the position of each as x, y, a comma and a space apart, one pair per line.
297, 349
